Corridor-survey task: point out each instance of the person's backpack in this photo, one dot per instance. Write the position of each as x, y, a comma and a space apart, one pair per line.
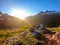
35, 34
42, 27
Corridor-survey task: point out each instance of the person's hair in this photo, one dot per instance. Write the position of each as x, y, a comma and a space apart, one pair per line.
33, 25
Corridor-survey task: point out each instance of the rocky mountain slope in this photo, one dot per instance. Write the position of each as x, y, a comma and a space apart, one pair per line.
48, 18
7, 21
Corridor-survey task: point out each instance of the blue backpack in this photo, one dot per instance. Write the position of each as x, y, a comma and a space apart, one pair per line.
35, 33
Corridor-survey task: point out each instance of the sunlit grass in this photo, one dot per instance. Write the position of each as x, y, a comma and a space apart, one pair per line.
56, 29
28, 39
4, 34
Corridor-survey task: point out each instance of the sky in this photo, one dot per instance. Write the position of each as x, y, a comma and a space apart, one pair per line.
31, 6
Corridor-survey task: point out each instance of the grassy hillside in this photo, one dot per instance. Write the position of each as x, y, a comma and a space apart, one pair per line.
56, 29
9, 22
7, 33
28, 39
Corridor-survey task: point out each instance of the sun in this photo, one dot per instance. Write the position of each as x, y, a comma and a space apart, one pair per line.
19, 13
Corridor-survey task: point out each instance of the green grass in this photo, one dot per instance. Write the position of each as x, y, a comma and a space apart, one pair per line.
28, 39
56, 29
4, 34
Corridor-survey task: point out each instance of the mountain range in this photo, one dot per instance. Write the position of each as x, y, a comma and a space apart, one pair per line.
47, 18
7, 21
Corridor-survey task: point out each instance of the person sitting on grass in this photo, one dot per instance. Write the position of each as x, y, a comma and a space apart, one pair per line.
37, 34
32, 29
43, 29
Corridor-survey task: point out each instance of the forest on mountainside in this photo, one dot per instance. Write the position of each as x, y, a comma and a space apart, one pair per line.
48, 18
